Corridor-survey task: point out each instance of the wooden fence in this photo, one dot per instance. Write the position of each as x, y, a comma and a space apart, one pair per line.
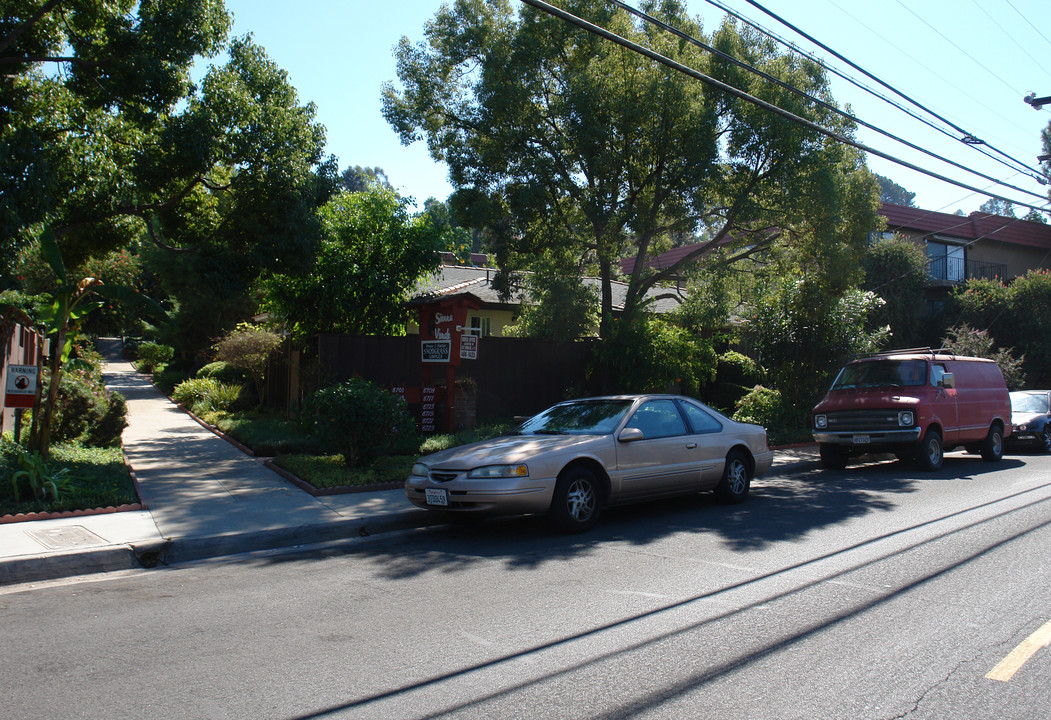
510, 377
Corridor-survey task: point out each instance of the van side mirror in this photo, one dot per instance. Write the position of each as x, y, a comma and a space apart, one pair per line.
948, 380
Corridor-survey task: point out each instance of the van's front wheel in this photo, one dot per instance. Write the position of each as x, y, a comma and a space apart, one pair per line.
931, 453
833, 457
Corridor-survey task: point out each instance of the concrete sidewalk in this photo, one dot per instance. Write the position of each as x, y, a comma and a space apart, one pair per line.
204, 498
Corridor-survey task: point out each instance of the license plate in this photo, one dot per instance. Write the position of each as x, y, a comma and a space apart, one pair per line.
861, 439
437, 497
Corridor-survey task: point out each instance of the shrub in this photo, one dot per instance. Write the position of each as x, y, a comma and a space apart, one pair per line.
151, 355
357, 419
86, 412
168, 378
734, 375
649, 354
784, 422
965, 340
223, 372
203, 395
249, 348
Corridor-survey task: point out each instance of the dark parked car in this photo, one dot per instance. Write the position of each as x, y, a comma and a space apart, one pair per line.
577, 457
1030, 413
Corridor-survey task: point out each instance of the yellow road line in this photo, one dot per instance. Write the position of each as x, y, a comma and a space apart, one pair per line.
1018, 657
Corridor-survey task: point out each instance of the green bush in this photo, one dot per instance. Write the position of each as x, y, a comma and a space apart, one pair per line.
734, 375
151, 355
357, 419
168, 378
224, 372
86, 412
203, 395
784, 422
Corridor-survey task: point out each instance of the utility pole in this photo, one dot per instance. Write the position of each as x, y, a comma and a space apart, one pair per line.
1036, 102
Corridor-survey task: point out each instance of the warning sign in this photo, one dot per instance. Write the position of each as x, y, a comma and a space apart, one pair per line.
21, 386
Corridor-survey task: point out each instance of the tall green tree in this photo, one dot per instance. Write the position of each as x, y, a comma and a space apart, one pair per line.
896, 271
555, 137
892, 192
372, 254
105, 139
87, 87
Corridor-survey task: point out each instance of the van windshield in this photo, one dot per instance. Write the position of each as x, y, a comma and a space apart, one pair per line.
882, 373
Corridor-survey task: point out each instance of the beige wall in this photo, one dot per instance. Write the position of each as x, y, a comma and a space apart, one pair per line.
498, 320
1019, 259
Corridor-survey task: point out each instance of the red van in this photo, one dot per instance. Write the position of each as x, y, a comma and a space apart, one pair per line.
915, 403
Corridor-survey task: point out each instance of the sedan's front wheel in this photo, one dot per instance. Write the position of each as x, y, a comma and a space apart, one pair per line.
577, 503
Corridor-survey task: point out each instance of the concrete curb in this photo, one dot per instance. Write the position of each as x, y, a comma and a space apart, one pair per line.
54, 566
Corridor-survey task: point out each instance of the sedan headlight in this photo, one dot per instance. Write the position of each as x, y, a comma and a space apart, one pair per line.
420, 470
906, 418
499, 471
821, 422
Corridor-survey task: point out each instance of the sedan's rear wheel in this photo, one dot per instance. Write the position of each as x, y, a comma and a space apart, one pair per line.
737, 478
577, 502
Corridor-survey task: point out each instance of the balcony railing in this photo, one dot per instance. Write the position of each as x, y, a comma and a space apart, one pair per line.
958, 270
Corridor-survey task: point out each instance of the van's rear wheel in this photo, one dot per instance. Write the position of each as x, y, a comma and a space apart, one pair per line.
993, 447
931, 453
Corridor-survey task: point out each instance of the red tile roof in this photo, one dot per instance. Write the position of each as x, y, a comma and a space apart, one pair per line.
977, 225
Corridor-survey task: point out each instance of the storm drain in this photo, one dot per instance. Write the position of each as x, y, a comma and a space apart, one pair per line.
66, 538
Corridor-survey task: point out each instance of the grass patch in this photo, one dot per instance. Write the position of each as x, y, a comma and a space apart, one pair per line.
328, 471
97, 477
266, 434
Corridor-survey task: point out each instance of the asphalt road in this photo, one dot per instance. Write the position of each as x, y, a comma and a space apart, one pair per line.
877, 592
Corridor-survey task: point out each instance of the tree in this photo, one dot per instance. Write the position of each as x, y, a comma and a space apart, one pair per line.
249, 348
997, 206
896, 271
557, 305
372, 254
359, 179
804, 335
892, 192
87, 87
557, 138
106, 140
965, 340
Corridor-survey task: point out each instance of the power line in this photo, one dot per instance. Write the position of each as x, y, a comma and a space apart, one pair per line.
967, 138
1017, 167
904, 53
791, 88
1027, 21
740, 94
1009, 36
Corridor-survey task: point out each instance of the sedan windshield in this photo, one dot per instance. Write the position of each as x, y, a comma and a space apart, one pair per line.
882, 373
1025, 402
584, 417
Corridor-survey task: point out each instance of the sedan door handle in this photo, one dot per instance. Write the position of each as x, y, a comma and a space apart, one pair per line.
691, 446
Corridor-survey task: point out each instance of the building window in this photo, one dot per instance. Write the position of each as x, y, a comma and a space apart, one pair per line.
946, 262
482, 326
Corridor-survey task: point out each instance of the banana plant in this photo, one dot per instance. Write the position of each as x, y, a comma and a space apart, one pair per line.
59, 319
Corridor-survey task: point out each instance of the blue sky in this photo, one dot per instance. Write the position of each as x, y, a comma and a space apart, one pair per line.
970, 61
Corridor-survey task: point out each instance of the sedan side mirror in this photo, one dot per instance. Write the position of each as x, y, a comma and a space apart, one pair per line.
630, 435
